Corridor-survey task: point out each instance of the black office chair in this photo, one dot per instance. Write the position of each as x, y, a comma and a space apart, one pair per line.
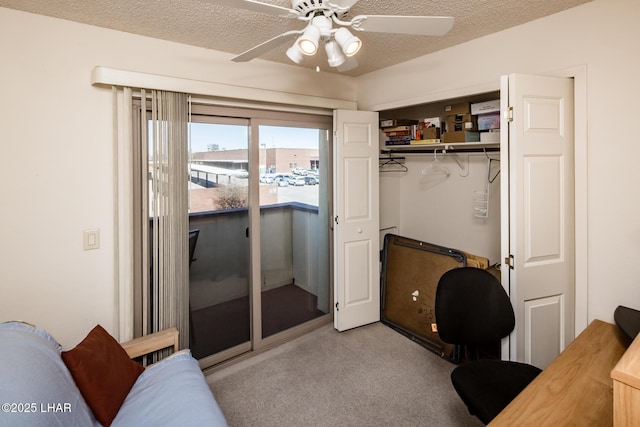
472, 309
193, 239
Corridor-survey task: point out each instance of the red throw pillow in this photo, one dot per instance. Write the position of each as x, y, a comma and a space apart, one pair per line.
103, 372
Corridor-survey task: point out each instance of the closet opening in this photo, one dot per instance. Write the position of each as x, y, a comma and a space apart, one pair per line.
448, 197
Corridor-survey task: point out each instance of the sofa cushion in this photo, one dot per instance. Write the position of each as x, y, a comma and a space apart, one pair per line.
175, 385
35, 383
103, 372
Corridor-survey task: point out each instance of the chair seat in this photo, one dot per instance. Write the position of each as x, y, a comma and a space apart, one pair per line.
488, 386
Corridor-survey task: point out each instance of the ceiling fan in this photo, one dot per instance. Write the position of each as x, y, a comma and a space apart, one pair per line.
339, 43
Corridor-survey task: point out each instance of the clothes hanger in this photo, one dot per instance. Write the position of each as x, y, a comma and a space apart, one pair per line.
393, 161
434, 168
461, 166
489, 177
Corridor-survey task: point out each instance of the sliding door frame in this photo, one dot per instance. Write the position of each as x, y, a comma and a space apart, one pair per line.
256, 119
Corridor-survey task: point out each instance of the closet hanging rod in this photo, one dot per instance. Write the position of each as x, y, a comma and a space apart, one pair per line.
440, 147
385, 157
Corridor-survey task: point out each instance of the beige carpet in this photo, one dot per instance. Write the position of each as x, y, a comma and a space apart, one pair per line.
369, 376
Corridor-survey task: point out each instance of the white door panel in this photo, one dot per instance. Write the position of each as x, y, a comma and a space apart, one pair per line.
542, 210
356, 255
541, 215
543, 336
357, 191
356, 219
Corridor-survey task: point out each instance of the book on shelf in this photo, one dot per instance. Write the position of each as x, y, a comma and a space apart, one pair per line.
404, 140
425, 141
415, 131
398, 133
386, 123
396, 128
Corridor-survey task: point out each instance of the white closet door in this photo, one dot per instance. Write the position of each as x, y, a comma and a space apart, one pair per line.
541, 215
356, 219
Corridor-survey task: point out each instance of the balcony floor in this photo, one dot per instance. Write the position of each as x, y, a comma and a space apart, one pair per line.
225, 325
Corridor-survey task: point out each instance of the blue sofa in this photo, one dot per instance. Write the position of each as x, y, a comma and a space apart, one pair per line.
37, 388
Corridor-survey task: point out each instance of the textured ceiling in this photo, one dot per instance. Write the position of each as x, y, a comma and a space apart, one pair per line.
206, 24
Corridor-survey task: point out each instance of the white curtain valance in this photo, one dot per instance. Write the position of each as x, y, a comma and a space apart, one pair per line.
133, 79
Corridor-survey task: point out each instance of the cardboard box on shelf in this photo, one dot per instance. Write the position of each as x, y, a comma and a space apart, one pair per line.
492, 106
461, 136
430, 133
489, 121
458, 122
491, 136
459, 108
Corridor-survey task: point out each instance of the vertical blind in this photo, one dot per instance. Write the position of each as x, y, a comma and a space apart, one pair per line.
168, 213
159, 221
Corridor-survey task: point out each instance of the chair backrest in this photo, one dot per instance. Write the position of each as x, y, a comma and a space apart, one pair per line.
471, 307
193, 239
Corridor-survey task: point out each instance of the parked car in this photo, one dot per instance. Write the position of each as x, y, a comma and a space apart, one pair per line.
299, 171
296, 180
266, 179
310, 180
282, 179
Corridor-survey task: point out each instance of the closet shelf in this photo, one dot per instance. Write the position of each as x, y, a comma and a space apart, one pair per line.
458, 147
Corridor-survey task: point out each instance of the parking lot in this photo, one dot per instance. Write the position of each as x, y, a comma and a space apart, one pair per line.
307, 194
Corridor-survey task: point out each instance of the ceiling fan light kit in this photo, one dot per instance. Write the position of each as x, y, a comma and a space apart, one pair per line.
320, 16
335, 57
324, 25
295, 54
337, 43
349, 43
308, 41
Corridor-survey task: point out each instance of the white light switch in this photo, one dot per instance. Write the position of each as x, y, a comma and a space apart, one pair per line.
91, 239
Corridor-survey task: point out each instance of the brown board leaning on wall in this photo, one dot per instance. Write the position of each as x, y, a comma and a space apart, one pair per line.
411, 270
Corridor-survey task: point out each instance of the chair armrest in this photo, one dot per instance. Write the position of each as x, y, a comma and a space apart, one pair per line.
152, 342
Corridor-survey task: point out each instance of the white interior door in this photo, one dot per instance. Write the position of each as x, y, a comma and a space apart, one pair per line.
541, 239
356, 219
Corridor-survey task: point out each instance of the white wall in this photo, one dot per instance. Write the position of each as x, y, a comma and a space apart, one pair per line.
56, 142
603, 35
438, 209
56, 157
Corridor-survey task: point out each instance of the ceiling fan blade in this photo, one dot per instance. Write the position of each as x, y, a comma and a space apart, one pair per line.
257, 6
265, 47
418, 25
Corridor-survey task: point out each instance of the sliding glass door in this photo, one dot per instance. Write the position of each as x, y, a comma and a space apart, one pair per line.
294, 237
219, 220
259, 215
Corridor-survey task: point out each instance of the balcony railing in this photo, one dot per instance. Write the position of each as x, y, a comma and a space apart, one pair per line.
291, 252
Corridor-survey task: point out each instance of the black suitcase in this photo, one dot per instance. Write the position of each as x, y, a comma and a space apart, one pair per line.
411, 270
